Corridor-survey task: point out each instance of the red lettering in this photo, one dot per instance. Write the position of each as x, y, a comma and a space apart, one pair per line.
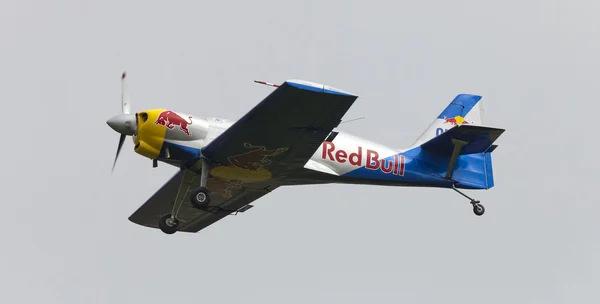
395, 164
387, 168
328, 148
356, 158
372, 156
340, 156
401, 165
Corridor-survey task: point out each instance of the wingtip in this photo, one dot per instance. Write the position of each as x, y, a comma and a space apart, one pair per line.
313, 86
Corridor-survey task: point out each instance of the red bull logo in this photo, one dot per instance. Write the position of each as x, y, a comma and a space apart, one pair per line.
390, 166
224, 188
456, 120
171, 119
256, 159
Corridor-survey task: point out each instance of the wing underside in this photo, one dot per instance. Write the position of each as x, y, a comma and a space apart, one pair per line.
226, 197
283, 131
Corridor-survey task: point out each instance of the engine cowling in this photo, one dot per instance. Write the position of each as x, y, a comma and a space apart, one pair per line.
150, 136
156, 125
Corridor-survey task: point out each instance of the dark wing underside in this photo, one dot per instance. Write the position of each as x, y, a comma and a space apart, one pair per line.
226, 197
296, 117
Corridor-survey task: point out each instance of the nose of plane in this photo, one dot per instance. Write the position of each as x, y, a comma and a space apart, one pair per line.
124, 124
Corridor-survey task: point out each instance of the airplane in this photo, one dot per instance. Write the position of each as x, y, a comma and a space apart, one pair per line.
292, 138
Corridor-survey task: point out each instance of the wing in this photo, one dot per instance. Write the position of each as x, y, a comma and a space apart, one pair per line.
226, 197
280, 134
283, 131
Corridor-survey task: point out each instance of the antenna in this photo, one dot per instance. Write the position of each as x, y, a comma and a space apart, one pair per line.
267, 83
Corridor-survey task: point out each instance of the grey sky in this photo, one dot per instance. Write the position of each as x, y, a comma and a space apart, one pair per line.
66, 237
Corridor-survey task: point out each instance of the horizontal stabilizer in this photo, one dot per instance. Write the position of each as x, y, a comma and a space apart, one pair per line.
474, 139
492, 148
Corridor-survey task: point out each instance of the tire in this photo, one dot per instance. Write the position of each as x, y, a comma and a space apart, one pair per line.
167, 225
478, 209
200, 198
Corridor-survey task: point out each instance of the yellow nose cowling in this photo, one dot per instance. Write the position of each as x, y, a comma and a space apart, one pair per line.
150, 135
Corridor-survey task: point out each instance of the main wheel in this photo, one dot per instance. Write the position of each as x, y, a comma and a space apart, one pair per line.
200, 198
168, 225
478, 209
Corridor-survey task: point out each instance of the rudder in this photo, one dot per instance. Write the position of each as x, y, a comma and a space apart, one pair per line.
474, 171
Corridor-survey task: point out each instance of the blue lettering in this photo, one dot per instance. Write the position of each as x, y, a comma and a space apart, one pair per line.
439, 131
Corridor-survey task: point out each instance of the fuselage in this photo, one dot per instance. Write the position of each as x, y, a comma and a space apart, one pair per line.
175, 138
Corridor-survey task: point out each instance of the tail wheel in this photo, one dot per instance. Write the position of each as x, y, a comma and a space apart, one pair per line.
478, 209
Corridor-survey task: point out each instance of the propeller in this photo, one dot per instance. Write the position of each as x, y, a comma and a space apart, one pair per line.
121, 141
126, 123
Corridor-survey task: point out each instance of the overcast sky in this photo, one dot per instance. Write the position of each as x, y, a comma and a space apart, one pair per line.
65, 234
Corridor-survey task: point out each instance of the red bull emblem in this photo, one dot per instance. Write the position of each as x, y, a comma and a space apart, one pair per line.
394, 166
225, 188
456, 120
256, 159
171, 119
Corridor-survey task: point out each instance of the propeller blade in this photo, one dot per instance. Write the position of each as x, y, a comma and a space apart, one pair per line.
121, 141
125, 99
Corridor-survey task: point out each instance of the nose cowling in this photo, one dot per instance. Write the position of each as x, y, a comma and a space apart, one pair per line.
150, 135
124, 124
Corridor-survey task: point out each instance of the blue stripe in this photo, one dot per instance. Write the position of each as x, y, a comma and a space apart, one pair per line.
316, 89
415, 171
180, 152
460, 106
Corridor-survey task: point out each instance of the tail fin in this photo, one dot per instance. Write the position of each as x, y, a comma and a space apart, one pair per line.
458, 146
464, 109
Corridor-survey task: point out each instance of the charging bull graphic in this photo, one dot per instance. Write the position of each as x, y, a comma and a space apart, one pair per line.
224, 188
256, 159
456, 120
171, 119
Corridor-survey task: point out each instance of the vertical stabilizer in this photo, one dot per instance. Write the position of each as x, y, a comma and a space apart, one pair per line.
464, 109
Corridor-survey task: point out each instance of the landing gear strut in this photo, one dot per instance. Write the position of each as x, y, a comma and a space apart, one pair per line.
478, 208
200, 197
